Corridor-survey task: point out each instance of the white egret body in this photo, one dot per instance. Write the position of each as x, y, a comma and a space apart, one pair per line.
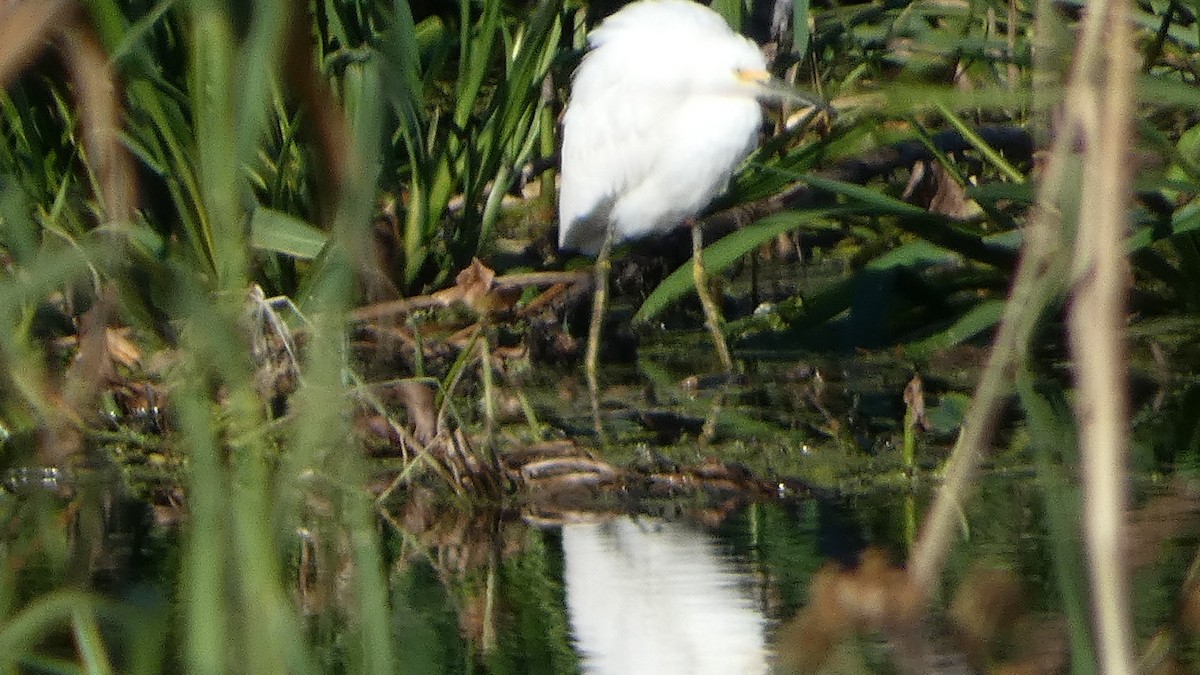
662, 111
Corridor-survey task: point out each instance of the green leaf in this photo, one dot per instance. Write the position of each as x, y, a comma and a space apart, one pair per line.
837, 296
930, 226
723, 253
978, 319
279, 232
733, 11
879, 203
800, 28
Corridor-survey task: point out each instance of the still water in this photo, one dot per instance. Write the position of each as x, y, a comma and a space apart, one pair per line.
803, 585
703, 582
806, 586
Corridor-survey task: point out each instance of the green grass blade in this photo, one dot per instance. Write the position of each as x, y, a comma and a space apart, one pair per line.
995, 158
212, 88
1051, 430
975, 321
89, 642
476, 53
23, 630
723, 253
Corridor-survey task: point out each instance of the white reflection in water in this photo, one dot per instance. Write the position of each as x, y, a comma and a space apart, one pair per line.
650, 596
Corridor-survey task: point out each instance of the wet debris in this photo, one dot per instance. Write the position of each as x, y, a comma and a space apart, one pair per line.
560, 476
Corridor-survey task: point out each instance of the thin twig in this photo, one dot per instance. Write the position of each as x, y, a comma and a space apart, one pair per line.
1093, 119
1040, 277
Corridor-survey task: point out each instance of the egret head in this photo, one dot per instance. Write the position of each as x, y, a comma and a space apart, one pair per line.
663, 108
676, 46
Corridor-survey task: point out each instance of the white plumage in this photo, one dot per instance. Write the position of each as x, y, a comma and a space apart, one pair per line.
662, 110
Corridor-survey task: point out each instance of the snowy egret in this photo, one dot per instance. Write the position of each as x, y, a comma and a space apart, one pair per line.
663, 108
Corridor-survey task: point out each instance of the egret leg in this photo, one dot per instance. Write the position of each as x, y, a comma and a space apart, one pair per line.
712, 315
709, 430
599, 302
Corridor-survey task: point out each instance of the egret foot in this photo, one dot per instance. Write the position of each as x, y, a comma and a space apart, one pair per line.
712, 314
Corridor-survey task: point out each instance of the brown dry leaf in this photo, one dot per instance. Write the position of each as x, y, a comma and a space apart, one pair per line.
470, 286
807, 641
121, 349
990, 614
879, 595
872, 597
987, 603
418, 399
914, 401
475, 287
92, 366
87, 376
934, 188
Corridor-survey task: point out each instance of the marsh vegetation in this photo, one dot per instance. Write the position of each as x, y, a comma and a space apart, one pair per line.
290, 363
